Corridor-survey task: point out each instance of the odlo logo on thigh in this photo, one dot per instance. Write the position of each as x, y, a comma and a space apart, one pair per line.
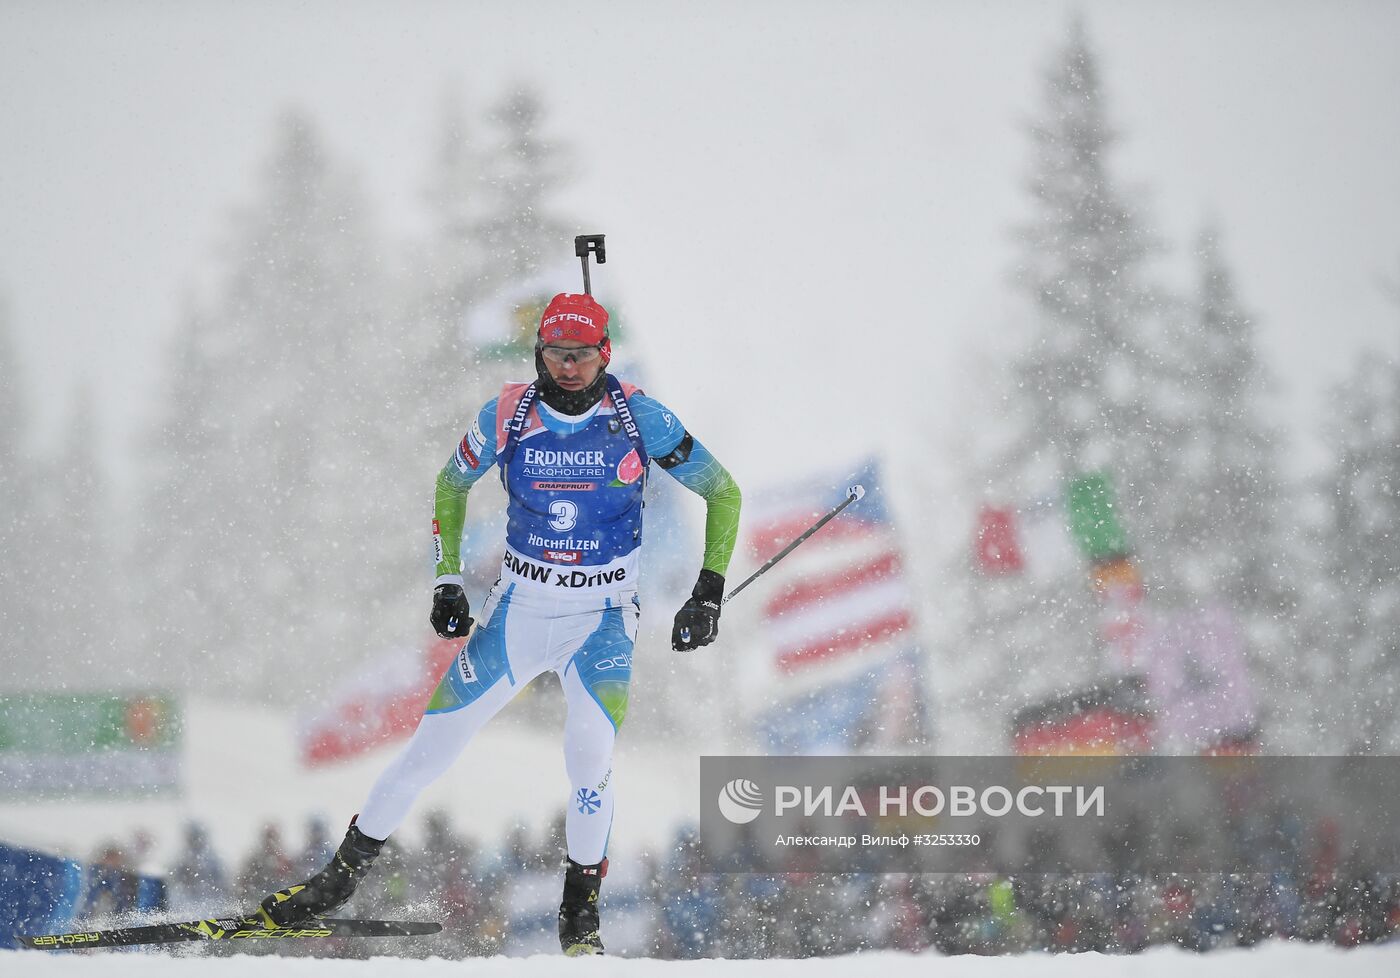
620, 661
588, 801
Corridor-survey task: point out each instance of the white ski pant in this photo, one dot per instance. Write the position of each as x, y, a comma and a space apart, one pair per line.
587, 641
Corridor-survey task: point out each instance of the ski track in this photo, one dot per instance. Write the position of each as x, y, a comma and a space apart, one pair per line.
1274, 960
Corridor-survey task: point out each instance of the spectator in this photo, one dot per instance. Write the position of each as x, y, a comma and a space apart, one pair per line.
318, 848
265, 867
111, 885
198, 885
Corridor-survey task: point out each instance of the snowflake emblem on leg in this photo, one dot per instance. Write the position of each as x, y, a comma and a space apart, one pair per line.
588, 801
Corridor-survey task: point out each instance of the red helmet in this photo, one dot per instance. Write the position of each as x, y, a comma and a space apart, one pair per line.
572, 316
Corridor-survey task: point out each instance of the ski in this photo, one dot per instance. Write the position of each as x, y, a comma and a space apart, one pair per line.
227, 929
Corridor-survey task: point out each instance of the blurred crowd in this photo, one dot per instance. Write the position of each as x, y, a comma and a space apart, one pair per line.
797, 916
684, 912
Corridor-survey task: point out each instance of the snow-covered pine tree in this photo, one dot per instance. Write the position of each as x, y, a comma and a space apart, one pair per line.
450, 273
1357, 612
1226, 542
1079, 396
179, 611
1224, 527
518, 228
291, 492
316, 441
1088, 378
76, 528
21, 586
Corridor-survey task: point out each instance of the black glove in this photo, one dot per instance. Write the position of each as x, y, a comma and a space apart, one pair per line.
697, 623
451, 615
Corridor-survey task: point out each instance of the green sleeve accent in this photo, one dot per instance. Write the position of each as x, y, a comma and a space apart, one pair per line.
722, 503
450, 512
702, 474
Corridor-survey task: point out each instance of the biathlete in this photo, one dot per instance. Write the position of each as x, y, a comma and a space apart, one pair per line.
573, 450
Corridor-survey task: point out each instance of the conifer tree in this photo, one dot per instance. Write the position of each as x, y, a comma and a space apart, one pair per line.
78, 552
1226, 520
452, 269
1226, 535
1079, 396
1087, 379
453, 198
285, 460
1357, 612
181, 615
518, 228
20, 583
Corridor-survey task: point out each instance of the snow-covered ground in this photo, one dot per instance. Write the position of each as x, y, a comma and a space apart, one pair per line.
1276, 960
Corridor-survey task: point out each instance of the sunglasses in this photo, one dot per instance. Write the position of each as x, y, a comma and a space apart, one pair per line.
581, 355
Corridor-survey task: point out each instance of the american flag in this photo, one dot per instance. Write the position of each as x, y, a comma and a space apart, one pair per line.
838, 622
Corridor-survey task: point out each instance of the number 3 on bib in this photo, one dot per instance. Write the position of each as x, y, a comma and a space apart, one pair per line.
565, 515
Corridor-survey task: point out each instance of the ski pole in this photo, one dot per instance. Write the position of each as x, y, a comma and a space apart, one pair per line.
852, 494
585, 244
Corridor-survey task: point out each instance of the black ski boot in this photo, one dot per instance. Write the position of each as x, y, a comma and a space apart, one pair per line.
578, 914
327, 890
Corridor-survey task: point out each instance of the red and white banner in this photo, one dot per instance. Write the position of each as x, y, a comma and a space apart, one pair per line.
378, 705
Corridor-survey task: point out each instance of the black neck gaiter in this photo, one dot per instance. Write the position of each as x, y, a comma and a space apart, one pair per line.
568, 402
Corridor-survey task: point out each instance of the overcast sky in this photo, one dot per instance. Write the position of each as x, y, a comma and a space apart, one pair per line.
794, 192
